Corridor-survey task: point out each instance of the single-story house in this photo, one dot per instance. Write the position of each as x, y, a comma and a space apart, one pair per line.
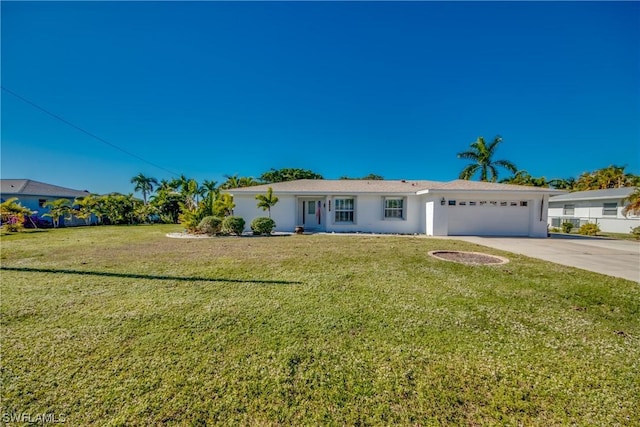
602, 207
34, 195
402, 207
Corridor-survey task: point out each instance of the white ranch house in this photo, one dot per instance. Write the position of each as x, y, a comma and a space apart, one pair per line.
402, 207
602, 207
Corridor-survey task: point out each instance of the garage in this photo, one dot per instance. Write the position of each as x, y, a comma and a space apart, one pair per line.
488, 217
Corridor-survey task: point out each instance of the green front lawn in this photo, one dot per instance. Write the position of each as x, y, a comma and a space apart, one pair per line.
124, 326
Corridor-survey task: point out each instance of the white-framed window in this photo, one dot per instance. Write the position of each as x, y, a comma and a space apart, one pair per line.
524, 203
452, 202
472, 203
610, 209
568, 210
344, 210
394, 208
311, 208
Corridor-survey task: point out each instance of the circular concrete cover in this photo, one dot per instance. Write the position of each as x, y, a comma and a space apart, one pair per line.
472, 258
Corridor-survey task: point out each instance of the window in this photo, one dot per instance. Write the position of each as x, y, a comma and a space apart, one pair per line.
503, 203
462, 203
42, 202
610, 209
344, 210
394, 208
452, 202
524, 203
514, 203
311, 208
472, 203
492, 203
569, 210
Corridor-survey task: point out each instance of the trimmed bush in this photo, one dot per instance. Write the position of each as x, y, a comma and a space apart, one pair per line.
636, 232
233, 225
589, 229
262, 225
566, 227
211, 225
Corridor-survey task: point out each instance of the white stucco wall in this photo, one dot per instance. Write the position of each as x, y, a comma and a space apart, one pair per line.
283, 213
369, 215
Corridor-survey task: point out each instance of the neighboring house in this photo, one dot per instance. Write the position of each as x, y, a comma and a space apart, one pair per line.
602, 207
403, 207
34, 195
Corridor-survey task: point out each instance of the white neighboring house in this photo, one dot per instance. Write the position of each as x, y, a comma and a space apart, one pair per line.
34, 195
401, 207
602, 207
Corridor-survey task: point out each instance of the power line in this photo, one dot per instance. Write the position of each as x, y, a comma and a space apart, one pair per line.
104, 141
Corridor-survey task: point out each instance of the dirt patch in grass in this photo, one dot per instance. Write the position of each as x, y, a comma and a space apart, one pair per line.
474, 258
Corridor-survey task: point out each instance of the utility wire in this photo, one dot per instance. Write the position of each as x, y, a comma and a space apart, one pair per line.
104, 141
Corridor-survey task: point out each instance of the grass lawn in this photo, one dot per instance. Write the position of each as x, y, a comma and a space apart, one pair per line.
123, 326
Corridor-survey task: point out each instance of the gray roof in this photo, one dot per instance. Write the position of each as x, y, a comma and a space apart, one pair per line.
610, 193
357, 186
29, 187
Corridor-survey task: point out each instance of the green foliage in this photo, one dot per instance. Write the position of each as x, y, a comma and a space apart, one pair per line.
567, 227
234, 181
481, 154
223, 205
632, 203
288, 174
233, 225
267, 201
636, 232
589, 229
12, 215
523, 177
262, 225
211, 225
57, 209
144, 184
555, 230
370, 177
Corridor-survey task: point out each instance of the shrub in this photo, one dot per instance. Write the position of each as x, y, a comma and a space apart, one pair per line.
589, 229
555, 230
210, 225
566, 227
636, 232
233, 225
262, 225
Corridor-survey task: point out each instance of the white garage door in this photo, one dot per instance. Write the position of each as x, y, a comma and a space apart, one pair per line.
488, 218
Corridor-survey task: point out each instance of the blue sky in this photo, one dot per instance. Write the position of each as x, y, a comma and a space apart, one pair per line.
342, 88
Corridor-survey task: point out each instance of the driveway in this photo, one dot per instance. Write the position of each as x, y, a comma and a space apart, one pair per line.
619, 258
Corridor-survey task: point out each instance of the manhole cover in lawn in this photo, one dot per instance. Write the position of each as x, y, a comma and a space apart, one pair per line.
474, 258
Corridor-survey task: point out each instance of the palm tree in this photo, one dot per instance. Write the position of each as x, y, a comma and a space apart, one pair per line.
57, 209
144, 184
634, 203
482, 156
266, 201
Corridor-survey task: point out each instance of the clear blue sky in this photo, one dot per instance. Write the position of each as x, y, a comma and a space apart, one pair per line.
342, 88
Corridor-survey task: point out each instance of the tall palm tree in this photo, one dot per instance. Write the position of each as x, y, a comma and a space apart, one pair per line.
266, 201
482, 156
144, 184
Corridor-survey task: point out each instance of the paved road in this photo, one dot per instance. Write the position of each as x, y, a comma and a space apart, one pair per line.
619, 258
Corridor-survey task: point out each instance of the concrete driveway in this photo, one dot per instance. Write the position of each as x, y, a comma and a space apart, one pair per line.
618, 258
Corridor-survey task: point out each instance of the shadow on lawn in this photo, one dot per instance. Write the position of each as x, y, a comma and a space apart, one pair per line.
145, 276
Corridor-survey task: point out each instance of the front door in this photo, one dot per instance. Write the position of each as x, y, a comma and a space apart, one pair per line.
312, 214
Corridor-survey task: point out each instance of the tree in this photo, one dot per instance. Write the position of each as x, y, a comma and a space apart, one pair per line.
144, 184
223, 206
12, 214
482, 156
57, 209
370, 177
633, 207
610, 177
266, 201
563, 183
288, 174
84, 207
523, 177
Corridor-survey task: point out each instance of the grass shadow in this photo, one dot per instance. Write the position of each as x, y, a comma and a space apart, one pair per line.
145, 276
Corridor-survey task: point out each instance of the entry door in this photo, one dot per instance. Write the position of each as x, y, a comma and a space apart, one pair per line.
313, 214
